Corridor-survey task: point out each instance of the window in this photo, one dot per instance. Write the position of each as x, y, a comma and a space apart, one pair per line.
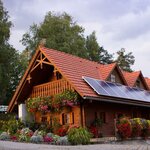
113, 78
68, 118
103, 116
138, 83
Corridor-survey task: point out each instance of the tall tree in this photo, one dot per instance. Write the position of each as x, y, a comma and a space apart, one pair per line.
10, 66
125, 61
60, 32
105, 57
92, 47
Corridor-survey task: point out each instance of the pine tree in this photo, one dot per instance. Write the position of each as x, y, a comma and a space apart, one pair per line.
125, 61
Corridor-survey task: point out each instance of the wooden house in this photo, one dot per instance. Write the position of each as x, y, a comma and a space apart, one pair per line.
105, 91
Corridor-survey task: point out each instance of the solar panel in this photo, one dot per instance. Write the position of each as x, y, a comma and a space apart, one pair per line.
117, 90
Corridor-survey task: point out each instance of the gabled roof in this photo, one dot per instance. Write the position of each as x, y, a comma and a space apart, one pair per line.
131, 78
148, 82
73, 68
107, 69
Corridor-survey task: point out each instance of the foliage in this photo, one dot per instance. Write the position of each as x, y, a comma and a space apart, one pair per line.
56, 138
105, 57
125, 61
14, 138
25, 134
67, 98
36, 139
136, 127
41, 132
50, 134
62, 131
7, 117
124, 128
48, 139
4, 136
11, 126
92, 47
10, 66
62, 33
79, 136
38, 104
63, 141
47, 104
94, 131
145, 127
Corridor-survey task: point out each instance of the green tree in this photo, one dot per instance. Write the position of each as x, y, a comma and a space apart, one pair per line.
10, 66
92, 47
125, 61
60, 32
105, 57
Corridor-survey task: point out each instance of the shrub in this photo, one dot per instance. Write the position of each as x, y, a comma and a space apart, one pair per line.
41, 132
48, 139
11, 126
56, 138
14, 138
94, 131
50, 135
136, 127
124, 128
63, 141
62, 131
145, 128
79, 136
4, 136
25, 134
36, 139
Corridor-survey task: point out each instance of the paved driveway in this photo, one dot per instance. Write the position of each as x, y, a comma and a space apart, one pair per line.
5, 145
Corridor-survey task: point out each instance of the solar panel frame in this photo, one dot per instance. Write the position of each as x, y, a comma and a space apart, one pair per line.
117, 90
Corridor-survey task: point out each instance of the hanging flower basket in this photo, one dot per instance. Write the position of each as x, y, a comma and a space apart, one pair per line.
52, 104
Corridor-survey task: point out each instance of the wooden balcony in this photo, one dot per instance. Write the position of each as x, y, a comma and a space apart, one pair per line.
51, 88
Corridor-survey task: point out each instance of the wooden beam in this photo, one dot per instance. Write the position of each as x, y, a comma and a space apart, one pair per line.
29, 78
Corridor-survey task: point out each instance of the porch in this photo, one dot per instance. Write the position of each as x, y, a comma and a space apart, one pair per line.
51, 88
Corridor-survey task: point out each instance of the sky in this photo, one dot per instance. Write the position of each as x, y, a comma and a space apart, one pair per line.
118, 23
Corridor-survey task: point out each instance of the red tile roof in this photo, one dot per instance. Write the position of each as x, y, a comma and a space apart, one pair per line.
105, 70
148, 82
73, 68
131, 77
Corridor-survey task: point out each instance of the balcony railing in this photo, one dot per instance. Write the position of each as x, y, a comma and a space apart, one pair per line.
51, 88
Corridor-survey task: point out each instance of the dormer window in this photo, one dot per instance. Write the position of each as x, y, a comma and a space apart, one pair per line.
138, 83
113, 78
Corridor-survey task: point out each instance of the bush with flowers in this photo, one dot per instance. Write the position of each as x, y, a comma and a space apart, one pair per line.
136, 127
67, 98
62, 131
25, 134
146, 128
124, 128
38, 104
52, 104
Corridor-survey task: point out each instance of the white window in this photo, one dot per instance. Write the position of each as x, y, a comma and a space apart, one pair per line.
113, 78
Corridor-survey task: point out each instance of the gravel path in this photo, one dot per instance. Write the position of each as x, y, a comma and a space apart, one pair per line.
134, 145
